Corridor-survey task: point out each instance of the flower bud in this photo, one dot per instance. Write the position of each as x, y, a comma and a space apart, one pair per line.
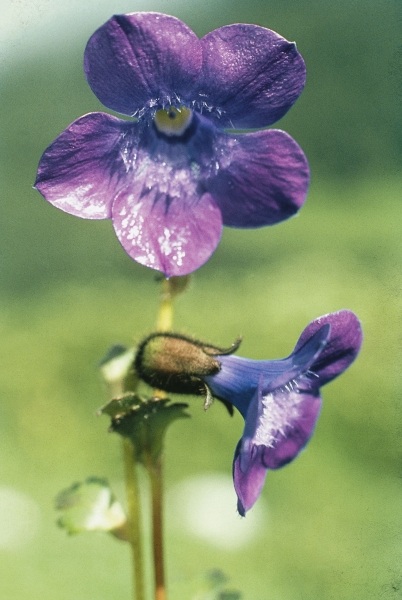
177, 364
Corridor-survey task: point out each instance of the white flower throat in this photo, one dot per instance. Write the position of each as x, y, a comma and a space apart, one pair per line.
279, 413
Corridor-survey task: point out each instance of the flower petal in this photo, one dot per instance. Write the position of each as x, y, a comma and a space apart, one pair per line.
252, 75
343, 344
278, 426
262, 180
295, 426
142, 59
299, 362
81, 171
172, 235
248, 484
239, 378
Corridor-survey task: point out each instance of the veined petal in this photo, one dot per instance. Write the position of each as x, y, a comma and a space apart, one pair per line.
278, 426
281, 422
175, 235
289, 422
82, 170
251, 75
342, 347
142, 60
300, 362
249, 483
262, 180
239, 378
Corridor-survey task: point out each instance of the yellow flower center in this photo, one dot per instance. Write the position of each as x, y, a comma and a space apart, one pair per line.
173, 121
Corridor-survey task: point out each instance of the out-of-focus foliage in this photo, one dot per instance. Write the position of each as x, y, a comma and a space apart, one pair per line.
68, 291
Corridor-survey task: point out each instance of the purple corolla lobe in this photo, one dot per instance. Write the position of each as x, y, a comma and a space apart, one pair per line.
280, 399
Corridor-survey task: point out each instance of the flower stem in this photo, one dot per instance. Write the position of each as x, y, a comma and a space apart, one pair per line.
134, 519
164, 319
155, 473
164, 322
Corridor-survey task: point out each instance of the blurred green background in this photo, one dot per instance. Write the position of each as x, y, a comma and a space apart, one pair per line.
326, 527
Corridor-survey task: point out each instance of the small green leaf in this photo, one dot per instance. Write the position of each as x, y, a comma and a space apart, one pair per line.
91, 506
117, 369
144, 421
121, 406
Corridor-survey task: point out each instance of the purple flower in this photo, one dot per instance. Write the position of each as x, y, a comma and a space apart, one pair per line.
280, 399
173, 174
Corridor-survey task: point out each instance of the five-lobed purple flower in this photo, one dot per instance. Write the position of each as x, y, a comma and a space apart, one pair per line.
280, 399
170, 177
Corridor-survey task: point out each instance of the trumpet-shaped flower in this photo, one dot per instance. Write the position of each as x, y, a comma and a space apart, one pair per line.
280, 399
179, 168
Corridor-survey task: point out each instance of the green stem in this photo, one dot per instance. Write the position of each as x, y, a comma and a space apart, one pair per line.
134, 519
134, 529
164, 320
155, 473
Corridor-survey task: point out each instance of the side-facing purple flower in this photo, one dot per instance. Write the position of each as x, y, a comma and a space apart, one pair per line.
170, 177
280, 399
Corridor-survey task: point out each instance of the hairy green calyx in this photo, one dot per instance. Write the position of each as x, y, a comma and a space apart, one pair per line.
177, 364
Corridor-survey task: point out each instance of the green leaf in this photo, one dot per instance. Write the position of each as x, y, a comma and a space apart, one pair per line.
144, 421
120, 407
117, 369
91, 506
